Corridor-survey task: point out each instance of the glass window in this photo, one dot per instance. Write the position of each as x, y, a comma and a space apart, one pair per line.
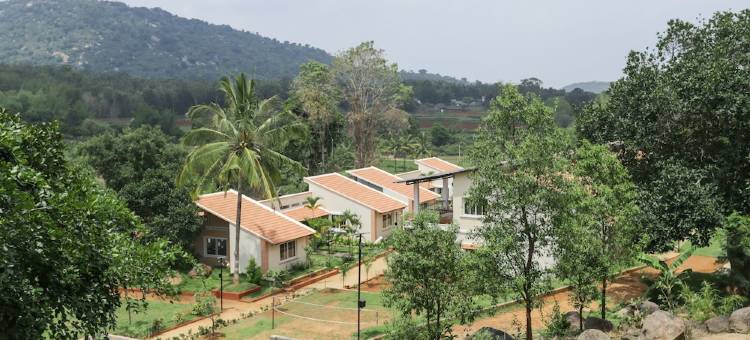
288, 250
216, 246
472, 209
387, 221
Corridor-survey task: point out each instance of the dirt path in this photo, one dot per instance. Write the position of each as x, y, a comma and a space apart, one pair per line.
624, 288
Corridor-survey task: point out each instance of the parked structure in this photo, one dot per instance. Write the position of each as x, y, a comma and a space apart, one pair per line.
378, 212
276, 241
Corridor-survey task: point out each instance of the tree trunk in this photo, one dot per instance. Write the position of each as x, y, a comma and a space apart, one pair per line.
322, 150
236, 269
580, 317
529, 332
604, 298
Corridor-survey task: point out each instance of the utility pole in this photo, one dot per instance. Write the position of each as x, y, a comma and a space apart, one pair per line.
360, 303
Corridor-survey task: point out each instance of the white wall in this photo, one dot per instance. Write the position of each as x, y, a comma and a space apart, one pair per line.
438, 183
466, 223
249, 247
274, 255
289, 201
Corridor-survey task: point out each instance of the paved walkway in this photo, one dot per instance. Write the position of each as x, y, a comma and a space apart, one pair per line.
234, 309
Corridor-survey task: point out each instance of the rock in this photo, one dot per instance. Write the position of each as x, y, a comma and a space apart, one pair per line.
661, 325
593, 334
574, 320
597, 323
631, 334
647, 307
725, 336
717, 324
739, 321
491, 333
625, 312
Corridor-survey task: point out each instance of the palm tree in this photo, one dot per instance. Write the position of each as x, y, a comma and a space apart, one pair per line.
239, 147
312, 203
422, 143
349, 220
400, 145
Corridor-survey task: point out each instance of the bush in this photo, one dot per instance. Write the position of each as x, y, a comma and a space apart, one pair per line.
156, 326
205, 303
254, 274
557, 325
707, 303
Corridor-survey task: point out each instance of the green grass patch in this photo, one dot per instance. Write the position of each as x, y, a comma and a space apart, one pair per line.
213, 281
714, 246
141, 323
398, 165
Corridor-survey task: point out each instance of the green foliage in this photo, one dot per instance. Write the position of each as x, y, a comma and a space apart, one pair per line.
140, 164
276, 278
707, 302
253, 272
205, 304
146, 42
557, 325
668, 282
404, 327
69, 243
439, 135
737, 249
427, 275
679, 118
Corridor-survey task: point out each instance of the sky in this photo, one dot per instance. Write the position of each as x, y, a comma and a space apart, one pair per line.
558, 41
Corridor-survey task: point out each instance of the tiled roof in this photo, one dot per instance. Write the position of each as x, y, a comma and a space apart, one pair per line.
438, 164
257, 218
304, 213
357, 192
386, 180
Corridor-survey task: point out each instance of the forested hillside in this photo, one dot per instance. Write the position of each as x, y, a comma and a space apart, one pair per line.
110, 36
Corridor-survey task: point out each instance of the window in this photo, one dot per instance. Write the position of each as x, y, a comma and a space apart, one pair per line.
288, 250
387, 221
472, 209
216, 246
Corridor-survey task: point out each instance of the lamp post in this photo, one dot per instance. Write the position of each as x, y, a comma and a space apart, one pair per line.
222, 263
360, 303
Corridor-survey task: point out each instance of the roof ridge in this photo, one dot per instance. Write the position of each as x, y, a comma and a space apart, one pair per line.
355, 183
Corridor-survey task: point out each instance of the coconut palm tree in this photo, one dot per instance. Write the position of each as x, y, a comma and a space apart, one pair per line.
238, 149
422, 142
312, 203
349, 221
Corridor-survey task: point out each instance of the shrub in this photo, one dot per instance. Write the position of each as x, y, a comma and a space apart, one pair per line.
707, 302
737, 249
254, 274
156, 326
205, 303
557, 325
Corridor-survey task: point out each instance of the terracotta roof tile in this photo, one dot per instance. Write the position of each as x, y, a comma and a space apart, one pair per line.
303, 213
257, 218
438, 164
386, 180
357, 192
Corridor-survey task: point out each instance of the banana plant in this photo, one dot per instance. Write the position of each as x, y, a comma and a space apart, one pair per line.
668, 282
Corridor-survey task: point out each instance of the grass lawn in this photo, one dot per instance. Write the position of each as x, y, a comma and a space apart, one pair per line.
189, 284
300, 325
713, 249
142, 322
396, 166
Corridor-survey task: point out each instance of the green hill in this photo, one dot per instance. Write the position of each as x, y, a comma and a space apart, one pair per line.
106, 36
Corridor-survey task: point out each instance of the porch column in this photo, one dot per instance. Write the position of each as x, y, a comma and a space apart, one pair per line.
415, 202
445, 193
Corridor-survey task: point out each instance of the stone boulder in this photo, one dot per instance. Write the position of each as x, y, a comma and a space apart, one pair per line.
625, 312
491, 333
661, 325
593, 334
597, 323
739, 321
717, 324
574, 320
647, 307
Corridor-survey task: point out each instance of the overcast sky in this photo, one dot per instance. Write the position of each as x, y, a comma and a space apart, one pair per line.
557, 41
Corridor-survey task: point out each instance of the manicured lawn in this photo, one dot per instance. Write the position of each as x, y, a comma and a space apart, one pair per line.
157, 310
713, 249
308, 319
396, 166
189, 284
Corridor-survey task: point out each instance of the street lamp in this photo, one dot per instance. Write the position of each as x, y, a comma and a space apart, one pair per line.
360, 303
222, 263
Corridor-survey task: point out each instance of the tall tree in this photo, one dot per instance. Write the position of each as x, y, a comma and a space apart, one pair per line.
521, 182
427, 275
239, 149
315, 88
370, 87
610, 211
684, 104
66, 241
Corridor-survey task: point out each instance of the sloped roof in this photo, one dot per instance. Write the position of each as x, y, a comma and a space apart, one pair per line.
386, 180
438, 164
257, 218
303, 213
357, 192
